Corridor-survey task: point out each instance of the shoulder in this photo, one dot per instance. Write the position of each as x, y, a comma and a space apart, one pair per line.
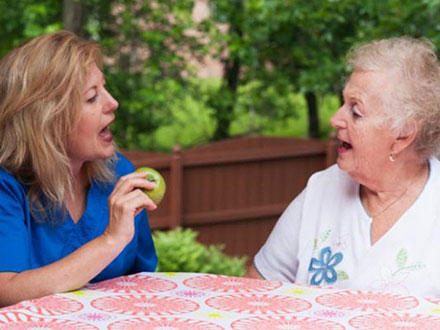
5, 175
9, 185
332, 185
123, 165
8, 180
433, 182
434, 167
332, 176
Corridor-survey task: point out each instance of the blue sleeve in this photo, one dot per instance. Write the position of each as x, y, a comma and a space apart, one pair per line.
15, 247
146, 259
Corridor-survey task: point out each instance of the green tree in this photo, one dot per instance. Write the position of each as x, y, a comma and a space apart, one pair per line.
241, 40
25, 19
301, 44
282, 46
223, 101
308, 40
149, 44
74, 16
270, 49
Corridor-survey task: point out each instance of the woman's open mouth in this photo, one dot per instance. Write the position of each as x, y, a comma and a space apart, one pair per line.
106, 134
344, 147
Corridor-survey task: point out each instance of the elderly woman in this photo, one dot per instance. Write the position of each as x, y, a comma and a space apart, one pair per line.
71, 210
372, 221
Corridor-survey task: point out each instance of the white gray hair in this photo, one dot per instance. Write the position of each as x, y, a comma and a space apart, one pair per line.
417, 95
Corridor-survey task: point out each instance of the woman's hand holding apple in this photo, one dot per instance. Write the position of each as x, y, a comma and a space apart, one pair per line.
125, 202
156, 194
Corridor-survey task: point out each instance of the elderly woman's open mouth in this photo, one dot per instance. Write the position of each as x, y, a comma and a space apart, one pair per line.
344, 146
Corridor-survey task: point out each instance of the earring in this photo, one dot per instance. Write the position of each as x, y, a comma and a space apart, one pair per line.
391, 157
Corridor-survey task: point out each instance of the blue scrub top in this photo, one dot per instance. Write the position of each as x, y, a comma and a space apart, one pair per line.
26, 244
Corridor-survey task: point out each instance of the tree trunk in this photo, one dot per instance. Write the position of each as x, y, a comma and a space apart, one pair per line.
74, 13
312, 106
225, 103
227, 99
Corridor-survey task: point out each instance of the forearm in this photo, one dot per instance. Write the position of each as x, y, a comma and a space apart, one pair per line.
252, 272
69, 273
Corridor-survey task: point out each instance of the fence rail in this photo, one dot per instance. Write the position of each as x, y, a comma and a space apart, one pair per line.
232, 192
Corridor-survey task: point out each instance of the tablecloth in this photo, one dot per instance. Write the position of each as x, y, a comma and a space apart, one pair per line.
190, 301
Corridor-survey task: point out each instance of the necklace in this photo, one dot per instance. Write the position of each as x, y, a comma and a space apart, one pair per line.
398, 197
391, 204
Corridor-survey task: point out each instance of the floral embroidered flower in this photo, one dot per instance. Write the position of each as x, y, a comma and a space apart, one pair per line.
340, 242
390, 281
323, 268
394, 278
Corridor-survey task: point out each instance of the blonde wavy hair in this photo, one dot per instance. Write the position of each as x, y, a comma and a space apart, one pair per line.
416, 95
41, 87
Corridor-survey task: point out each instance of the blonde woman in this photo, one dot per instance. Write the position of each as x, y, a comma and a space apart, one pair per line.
71, 210
371, 221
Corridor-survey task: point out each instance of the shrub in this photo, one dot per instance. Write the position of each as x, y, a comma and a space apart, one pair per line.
179, 251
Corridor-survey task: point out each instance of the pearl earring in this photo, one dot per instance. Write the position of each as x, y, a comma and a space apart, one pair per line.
391, 157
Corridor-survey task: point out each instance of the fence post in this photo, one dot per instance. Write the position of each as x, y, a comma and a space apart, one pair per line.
331, 150
176, 173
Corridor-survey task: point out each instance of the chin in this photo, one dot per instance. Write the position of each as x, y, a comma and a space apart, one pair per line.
340, 163
107, 153
343, 165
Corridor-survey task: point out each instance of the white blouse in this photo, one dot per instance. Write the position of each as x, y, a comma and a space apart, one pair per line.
324, 238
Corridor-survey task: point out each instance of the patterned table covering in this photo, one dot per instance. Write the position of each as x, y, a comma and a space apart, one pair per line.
189, 301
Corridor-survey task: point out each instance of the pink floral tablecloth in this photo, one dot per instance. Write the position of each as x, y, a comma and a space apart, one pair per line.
214, 302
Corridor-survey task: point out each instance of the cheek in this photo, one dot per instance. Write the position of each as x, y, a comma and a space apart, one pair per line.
82, 136
78, 138
87, 127
373, 146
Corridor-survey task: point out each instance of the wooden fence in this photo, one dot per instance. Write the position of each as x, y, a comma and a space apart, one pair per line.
233, 191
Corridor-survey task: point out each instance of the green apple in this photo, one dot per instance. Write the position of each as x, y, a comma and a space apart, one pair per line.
156, 195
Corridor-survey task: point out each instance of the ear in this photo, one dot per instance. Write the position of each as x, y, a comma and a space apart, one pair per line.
406, 136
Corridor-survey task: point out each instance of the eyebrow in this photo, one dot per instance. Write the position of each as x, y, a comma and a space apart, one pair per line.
95, 86
354, 93
91, 87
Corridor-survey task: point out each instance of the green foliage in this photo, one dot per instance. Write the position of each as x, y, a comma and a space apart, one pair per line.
285, 111
149, 45
179, 251
146, 106
272, 52
191, 120
25, 19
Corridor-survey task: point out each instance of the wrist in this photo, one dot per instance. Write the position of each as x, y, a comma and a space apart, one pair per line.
113, 242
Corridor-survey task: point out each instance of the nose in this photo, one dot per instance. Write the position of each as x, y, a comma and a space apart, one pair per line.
337, 120
111, 104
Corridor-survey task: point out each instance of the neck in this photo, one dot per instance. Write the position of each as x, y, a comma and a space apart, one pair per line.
407, 180
396, 176
76, 199
77, 168
79, 179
